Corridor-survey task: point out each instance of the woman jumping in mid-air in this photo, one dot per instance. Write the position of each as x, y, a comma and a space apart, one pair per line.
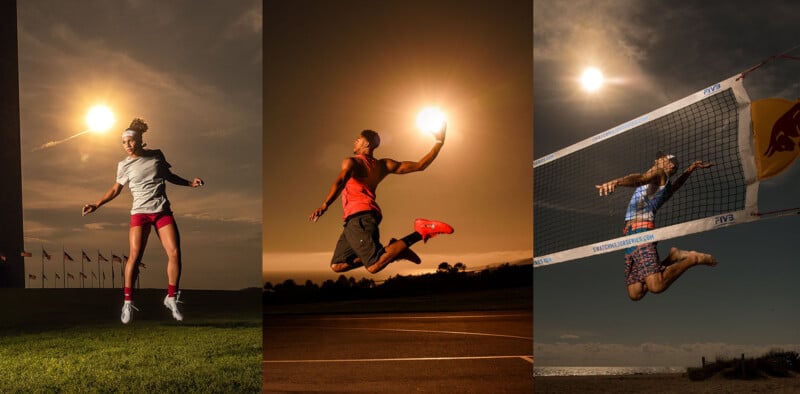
147, 171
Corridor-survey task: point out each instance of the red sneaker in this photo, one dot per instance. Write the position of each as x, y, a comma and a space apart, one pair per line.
406, 254
430, 228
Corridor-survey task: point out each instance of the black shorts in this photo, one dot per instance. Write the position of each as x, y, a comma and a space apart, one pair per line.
360, 238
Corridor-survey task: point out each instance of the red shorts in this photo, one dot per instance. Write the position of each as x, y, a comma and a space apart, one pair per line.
159, 220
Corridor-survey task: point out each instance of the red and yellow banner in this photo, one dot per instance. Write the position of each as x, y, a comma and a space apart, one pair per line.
776, 134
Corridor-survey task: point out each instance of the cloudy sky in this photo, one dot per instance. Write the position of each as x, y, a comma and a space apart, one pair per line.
193, 71
336, 68
655, 53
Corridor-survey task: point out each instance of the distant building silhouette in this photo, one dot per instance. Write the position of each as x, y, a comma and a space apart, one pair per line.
12, 269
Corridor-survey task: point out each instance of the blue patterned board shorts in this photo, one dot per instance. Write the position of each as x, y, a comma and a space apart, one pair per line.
641, 260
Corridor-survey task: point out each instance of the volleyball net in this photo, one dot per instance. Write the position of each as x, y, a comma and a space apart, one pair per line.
714, 125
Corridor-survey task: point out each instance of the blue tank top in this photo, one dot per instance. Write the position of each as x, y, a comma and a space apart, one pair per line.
646, 200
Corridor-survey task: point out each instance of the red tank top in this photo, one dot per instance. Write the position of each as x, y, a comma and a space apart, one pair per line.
359, 192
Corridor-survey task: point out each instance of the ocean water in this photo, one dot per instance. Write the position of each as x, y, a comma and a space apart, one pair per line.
599, 371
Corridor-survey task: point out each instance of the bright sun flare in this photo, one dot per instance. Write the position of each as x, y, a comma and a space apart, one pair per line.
430, 119
100, 118
591, 79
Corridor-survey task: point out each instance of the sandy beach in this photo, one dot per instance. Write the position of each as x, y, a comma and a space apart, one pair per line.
661, 383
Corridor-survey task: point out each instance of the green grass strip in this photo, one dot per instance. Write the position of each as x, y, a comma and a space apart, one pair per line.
220, 357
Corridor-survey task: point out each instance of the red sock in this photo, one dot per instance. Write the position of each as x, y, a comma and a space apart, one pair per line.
171, 290
127, 292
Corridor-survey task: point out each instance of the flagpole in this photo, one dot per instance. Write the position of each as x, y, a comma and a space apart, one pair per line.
98, 268
113, 279
64, 264
43, 266
83, 282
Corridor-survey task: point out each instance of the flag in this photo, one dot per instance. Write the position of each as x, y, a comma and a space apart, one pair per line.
115, 259
67, 256
776, 134
84, 256
44, 253
26, 254
30, 276
93, 275
44, 276
83, 275
101, 258
58, 276
70, 276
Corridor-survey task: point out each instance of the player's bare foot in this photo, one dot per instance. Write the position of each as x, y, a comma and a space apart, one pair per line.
677, 255
704, 259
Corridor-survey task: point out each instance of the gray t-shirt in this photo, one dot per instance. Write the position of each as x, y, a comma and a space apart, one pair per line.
146, 175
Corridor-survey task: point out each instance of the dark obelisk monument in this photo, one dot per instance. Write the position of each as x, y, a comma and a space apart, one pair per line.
12, 266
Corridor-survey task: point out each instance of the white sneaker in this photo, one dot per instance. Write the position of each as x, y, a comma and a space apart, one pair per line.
126, 311
172, 304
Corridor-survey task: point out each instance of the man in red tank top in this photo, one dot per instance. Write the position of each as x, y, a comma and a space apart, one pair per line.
359, 244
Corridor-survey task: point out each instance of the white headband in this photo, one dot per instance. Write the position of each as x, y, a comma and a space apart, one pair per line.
129, 133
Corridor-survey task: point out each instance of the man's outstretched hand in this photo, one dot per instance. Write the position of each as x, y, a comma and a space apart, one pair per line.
606, 188
317, 213
441, 133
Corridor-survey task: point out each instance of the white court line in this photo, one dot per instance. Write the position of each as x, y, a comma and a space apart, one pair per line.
423, 331
362, 360
424, 317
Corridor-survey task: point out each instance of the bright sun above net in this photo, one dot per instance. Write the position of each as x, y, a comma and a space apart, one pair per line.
591, 79
100, 118
430, 119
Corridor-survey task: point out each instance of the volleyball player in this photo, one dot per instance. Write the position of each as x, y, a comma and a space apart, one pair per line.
643, 270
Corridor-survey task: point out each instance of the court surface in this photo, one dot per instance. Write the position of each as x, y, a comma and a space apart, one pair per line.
461, 352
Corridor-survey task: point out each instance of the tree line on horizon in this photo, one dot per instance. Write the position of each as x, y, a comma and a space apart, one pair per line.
447, 279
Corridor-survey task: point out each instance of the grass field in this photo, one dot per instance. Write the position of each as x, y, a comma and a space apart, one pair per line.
71, 340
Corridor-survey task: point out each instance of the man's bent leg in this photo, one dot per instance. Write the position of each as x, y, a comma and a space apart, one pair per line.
406, 254
637, 291
639, 262
398, 249
390, 253
345, 266
344, 257
676, 264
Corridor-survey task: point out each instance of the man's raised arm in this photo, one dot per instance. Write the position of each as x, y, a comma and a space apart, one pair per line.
404, 167
632, 180
689, 170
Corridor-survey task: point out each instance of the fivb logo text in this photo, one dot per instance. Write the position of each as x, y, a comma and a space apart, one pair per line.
711, 89
724, 220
